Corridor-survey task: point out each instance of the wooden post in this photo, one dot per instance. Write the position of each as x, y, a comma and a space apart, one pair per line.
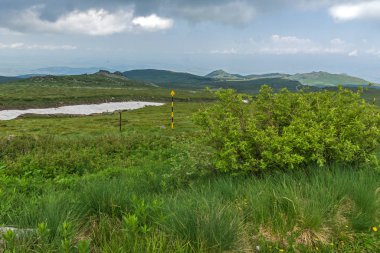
172, 93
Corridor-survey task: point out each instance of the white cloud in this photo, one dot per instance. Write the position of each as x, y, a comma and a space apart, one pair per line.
337, 42
294, 45
153, 22
373, 51
353, 53
95, 22
289, 39
290, 45
19, 45
225, 51
361, 10
233, 12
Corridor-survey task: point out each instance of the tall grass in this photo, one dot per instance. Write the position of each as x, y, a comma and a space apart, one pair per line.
300, 209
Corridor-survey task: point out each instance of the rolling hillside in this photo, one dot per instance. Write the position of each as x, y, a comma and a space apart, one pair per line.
102, 78
5, 79
319, 79
269, 75
221, 74
327, 79
103, 86
253, 86
180, 80
156, 79
169, 79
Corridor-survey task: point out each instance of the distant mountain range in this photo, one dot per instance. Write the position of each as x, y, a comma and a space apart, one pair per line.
327, 79
214, 80
102, 78
223, 75
170, 79
311, 79
5, 79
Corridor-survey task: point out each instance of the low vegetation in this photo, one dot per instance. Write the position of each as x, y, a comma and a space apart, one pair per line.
52, 91
76, 184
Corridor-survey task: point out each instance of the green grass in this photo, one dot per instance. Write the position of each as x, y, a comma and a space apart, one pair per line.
49, 91
213, 214
153, 189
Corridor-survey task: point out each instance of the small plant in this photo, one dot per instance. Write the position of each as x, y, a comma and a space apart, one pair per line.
84, 246
130, 223
130, 229
43, 236
66, 234
9, 237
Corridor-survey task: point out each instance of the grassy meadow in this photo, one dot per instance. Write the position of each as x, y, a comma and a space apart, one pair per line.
53, 91
76, 184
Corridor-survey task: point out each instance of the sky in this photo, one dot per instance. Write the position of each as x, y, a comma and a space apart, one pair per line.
198, 36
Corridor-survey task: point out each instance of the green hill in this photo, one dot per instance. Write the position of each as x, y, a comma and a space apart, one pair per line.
327, 79
169, 79
180, 80
253, 86
102, 78
5, 79
103, 86
221, 74
311, 79
269, 75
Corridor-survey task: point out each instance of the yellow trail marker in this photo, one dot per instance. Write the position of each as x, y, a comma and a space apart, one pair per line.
172, 93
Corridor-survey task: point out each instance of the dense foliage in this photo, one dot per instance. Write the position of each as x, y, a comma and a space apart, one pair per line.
289, 130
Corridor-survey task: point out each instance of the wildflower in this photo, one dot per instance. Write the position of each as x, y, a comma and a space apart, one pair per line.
281, 250
374, 229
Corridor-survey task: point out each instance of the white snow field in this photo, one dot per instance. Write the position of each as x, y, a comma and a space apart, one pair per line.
79, 109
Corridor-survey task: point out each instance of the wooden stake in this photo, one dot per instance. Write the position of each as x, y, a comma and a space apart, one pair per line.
172, 93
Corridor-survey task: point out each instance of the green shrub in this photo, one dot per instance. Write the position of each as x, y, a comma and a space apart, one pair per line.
290, 130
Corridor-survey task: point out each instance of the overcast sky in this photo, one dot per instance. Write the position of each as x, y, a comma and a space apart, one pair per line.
198, 36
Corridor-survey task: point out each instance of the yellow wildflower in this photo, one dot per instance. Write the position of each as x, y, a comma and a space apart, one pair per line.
374, 229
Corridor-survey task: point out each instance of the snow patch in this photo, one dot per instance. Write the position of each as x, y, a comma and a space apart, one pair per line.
79, 109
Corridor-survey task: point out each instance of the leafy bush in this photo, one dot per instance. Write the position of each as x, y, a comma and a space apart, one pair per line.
289, 130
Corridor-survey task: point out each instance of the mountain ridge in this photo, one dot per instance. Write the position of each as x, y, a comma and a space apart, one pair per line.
219, 78
183, 80
315, 78
323, 78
